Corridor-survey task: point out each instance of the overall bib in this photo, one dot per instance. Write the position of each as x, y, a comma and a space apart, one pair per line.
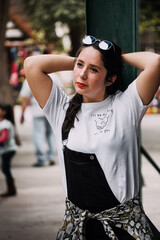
88, 189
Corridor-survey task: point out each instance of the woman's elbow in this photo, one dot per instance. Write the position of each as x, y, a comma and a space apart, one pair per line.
157, 61
157, 66
28, 63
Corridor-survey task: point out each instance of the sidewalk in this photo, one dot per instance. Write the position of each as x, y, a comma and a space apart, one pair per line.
38, 209
150, 135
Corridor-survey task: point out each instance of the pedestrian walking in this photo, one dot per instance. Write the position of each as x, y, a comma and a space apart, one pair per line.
8, 147
96, 133
42, 131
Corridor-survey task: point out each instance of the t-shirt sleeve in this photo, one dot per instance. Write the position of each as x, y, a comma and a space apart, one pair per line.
134, 103
56, 106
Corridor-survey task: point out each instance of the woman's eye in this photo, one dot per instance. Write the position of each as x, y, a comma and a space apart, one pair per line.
93, 69
79, 64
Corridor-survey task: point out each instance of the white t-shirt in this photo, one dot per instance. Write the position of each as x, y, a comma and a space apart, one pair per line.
108, 129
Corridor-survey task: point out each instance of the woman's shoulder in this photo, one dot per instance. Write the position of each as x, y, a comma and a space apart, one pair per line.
126, 97
57, 97
130, 88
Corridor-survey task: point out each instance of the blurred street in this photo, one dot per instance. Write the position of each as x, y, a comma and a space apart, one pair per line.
37, 211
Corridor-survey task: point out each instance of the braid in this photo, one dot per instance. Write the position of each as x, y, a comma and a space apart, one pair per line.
74, 107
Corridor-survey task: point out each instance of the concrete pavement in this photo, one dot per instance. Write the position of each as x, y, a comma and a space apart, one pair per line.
150, 134
37, 211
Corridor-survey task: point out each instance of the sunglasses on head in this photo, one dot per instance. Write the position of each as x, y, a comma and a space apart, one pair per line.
103, 44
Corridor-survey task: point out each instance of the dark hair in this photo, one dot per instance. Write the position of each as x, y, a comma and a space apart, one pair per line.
113, 63
9, 112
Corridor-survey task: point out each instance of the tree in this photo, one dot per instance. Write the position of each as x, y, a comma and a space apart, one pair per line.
150, 16
45, 14
5, 88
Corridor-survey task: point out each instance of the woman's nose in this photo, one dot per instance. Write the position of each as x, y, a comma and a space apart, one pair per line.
83, 74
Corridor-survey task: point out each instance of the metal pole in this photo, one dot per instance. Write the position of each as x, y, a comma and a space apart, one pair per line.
116, 20
144, 152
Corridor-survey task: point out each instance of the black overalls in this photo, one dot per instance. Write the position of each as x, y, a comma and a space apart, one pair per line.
88, 189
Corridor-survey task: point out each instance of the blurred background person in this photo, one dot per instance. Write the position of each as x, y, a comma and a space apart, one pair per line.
8, 146
41, 129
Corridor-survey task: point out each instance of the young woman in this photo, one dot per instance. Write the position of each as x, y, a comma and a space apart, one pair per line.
96, 134
8, 146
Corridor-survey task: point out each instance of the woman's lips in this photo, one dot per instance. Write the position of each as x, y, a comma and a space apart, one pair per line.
81, 85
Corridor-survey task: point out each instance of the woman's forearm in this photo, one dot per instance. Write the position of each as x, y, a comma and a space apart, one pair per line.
149, 79
141, 60
37, 69
49, 63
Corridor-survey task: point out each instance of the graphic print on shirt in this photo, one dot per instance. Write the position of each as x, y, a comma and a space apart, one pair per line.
101, 121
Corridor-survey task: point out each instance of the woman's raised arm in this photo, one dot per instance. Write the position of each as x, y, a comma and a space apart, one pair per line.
36, 69
148, 80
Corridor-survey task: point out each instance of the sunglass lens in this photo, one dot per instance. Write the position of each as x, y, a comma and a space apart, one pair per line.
104, 45
88, 40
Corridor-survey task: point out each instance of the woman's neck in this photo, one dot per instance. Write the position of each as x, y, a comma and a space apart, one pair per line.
97, 99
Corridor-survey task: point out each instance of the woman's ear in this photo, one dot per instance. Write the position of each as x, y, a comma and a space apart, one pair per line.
111, 80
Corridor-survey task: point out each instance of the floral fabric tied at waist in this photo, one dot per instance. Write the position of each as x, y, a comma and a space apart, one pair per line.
128, 216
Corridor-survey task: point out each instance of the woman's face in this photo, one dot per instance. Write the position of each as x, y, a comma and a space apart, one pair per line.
89, 75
